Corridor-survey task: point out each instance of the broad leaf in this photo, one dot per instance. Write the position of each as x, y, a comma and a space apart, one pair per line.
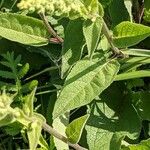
23, 29
72, 48
141, 103
87, 80
75, 128
143, 145
92, 32
128, 34
111, 120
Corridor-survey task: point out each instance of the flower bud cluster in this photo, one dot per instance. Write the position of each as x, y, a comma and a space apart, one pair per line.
67, 8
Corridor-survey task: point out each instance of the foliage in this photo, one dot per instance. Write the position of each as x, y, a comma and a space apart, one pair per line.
77, 69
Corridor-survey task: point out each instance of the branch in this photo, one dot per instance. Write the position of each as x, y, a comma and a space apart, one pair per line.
49, 28
53, 132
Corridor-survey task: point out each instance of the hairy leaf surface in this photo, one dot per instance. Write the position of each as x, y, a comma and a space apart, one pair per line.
75, 128
128, 34
72, 48
23, 29
92, 32
111, 119
87, 80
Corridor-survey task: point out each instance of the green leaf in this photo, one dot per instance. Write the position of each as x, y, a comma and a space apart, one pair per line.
141, 103
132, 75
29, 86
128, 34
121, 16
23, 71
23, 29
92, 32
34, 134
7, 74
147, 10
87, 79
112, 118
129, 4
105, 3
28, 103
72, 48
143, 145
75, 128
137, 52
129, 63
94, 7
43, 143
59, 125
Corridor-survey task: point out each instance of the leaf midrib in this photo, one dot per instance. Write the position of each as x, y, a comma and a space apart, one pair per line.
81, 90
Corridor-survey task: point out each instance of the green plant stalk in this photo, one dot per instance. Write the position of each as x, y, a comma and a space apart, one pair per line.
41, 72
49, 28
45, 92
53, 132
106, 32
132, 75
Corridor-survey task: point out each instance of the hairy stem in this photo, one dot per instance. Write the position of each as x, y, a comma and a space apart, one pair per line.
49, 28
106, 32
53, 132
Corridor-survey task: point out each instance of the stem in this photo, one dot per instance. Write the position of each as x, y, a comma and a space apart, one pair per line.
49, 28
53, 132
43, 71
106, 32
46, 92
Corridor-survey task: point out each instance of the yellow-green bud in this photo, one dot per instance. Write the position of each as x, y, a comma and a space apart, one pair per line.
68, 8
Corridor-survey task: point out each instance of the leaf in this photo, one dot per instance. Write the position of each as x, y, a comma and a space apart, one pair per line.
7, 119
34, 134
7, 74
143, 145
29, 86
112, 118
147, 10
43, 143
128, 4
59, 125
132, 75
72, 48
23, 71
141, 103
92, 32
86, 80
129, 63
94, 7
128, 34
105, 3
28, 103
23, 29
75, 128
137, 52
121, 16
